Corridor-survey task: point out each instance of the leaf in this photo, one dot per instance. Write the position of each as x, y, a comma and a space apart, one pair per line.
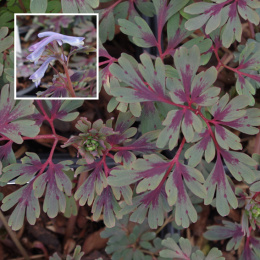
187, 63
165, 10
175, 119
25, 200
205, 146
222, 14
62, 110
174, 251
233, 115
177, 194
38, 6
13, 122
7, 155
154, 202
154, 75
24, 172
217, 180
229, 230
95, 183
149, 170
76, 6
150, 117
110, 206
57, 183
5, 42
140, 31
239, 165
185, 251
175, 33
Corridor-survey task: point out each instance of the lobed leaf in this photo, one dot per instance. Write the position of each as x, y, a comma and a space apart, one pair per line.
177, 194
13, 123
25, 200
56, 183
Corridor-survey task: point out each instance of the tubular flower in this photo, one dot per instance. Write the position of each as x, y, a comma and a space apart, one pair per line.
38, 74
38, 48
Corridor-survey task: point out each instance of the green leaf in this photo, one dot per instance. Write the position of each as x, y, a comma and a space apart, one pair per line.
38, 6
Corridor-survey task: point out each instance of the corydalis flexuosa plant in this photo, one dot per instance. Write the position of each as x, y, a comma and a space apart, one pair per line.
48, 49
187, 150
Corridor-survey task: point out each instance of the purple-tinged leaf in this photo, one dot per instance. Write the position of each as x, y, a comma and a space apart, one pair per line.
201, 91
175, 119
13, 123
57, 183
192, 89
94, 184
239, 165
205, 145
26, 201
226, 139
145, 143
251, 249
62, 110
229, 230
154, 90
175, 33
165, 10
24, 172
177, 194
217, 181
233, 115
172, 130
190, 123
154, 202
107, 201
123, 129
222, 14
139, 30
148, 171
248, 64
124, 157
7, 155
233, 28
187, 62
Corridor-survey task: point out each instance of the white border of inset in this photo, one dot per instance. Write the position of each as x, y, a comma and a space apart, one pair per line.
97, 55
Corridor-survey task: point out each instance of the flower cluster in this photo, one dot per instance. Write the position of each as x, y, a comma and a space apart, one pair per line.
38, 48
92, 142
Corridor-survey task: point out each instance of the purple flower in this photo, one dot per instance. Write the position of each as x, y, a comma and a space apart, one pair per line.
38, 48
38, 74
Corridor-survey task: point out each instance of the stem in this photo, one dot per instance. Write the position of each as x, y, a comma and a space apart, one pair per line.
70, 87
13, 237
111, 60
22, 6
168, 220
49, 119
252, 31
236, 70
110, 8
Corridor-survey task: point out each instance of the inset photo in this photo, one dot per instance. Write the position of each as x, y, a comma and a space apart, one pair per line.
56, 56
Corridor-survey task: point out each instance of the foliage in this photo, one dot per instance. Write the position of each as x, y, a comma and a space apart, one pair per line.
168, 103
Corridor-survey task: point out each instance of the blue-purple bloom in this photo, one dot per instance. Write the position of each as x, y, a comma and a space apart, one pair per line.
38, 74
38, 48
